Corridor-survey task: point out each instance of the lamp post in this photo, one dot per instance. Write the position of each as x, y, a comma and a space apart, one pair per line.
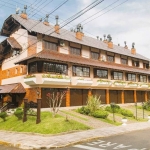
113, 111
143, 109
136, 110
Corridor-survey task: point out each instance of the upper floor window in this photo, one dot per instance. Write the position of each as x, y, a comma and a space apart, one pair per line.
32, 67
116, 75
110, 58
94, 55
55, 68
100, 73
146, 65
81, 71
75, 51
123, 61
130, 77
50, 46
135, 63
142, 78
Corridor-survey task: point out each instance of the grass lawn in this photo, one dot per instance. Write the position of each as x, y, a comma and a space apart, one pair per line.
48, 124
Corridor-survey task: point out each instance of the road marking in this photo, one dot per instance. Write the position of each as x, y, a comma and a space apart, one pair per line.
87, 147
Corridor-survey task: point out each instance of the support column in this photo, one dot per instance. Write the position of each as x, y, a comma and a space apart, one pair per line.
107, 96
135, 99
68, 98
146, 96
89, 92
122, 97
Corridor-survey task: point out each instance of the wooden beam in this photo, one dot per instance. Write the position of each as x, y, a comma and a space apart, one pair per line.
107, 96
135, 99
146, 96
68, 98
122, 97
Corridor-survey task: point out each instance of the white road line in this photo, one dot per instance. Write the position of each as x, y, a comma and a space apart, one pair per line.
87, 147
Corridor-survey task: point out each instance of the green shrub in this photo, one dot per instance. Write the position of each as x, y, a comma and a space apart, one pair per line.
126, 113
100, 114
3, 115
19, 113
116, 109
93, 103
84, 110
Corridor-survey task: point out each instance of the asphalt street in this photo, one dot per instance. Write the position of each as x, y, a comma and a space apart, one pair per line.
138, 140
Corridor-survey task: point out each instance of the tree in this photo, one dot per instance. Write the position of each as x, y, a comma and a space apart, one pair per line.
54, 101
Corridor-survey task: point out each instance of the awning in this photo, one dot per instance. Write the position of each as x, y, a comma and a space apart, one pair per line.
12, 88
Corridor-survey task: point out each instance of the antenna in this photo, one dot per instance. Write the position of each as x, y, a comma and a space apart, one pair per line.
17, 10
125, 43
57, 17
97, 37
46, 18
133, 44
104, 37
25, 8
40, 19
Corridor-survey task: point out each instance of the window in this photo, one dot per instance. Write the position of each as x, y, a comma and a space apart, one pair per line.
123, 61
81, 71
145, 65
55, 68
16, 70
50, 46
32, 67
94, 55
99, 73
117, 75
142, 78
110, 58
135, 63
75, 51
130, 77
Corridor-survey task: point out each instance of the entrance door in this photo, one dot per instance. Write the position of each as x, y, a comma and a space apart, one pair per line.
140, 96
115, 96
129, 96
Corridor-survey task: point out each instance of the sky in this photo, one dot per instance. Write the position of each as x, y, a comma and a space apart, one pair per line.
125, 20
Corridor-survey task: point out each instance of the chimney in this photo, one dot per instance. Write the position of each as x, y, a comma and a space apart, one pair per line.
79, 33
46, 20
24, 14
110, 43
57, 25
105, 40
133, 50
126, 47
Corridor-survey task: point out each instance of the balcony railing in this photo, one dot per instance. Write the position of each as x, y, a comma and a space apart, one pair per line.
120, 83
84, 82
104, 83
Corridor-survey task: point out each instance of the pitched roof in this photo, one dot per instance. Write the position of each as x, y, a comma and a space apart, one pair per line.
39, 27
53, 55
13, 43
12, 88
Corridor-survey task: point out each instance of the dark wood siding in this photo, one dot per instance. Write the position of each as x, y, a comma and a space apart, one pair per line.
148, 95
115, 96
44, 103
129, 96
78, 97
101, 93
140, 96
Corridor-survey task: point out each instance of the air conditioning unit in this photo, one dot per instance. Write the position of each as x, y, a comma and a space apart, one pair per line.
62, 43
103, 58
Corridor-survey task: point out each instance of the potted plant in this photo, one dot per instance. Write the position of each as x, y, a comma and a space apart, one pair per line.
124, 121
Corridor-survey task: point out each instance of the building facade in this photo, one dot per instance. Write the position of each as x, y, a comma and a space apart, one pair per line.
37, 58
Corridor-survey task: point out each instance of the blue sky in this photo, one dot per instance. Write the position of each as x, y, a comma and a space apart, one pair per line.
128, 22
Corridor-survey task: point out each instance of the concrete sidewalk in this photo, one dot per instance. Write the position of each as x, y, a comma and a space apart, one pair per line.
36, 141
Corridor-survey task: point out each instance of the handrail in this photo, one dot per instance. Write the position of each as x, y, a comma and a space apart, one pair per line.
5, 107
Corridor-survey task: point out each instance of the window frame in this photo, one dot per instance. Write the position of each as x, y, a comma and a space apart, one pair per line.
50, 43
73, 74
127, 78
112, 76
70, 51
109, 59
95, 53
97, 69
124, 63
139, 78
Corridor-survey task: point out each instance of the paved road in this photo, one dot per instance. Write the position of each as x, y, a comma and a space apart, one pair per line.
138, 140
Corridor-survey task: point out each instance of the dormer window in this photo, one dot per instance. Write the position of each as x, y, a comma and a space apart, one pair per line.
94, 55
146, 65
75, 51
135, 63
50, 46
110, 58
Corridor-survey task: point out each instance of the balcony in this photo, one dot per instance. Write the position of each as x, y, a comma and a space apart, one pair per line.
144, 85
132, 84
55, 79
104, 83
30, 79
84, 82
120, 83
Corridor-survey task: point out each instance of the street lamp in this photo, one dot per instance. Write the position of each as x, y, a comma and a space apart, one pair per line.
136, 110
113, 110
143, 109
